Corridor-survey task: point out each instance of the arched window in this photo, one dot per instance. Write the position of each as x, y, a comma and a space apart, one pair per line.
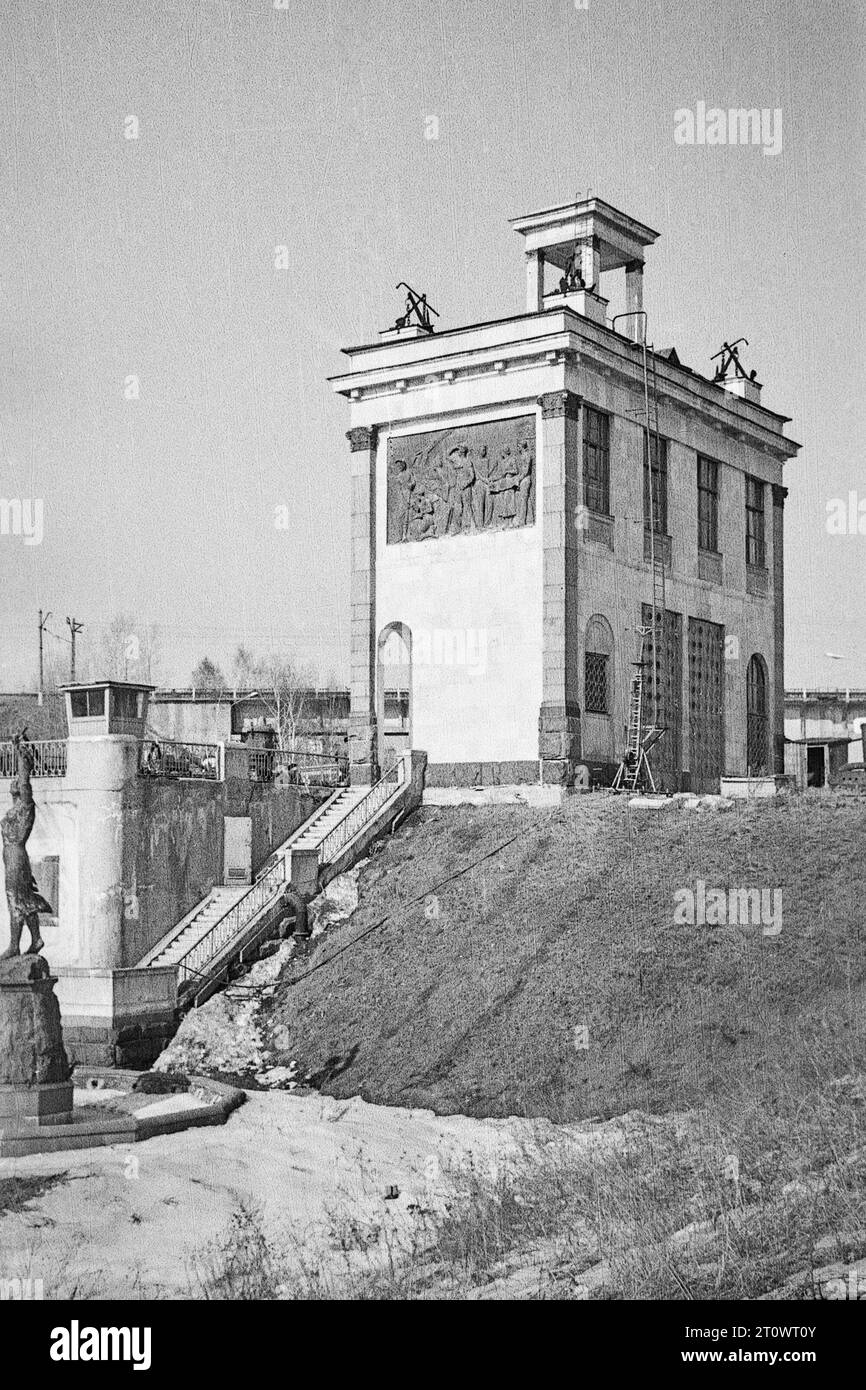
393, 692
598, 667
757, 717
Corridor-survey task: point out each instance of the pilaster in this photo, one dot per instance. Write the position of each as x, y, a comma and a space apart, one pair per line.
363, 751
777, 724
559, 716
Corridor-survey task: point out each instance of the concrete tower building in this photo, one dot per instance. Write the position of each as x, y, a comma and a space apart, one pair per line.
513, 531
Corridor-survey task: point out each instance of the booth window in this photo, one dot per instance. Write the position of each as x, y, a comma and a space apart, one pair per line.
88, 704
125, 704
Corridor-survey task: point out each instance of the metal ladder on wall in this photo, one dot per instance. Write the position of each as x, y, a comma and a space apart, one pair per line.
657, 554
635, 764
656, 630
634, 771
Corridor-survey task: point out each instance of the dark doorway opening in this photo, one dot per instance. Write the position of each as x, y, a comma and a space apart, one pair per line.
815, 776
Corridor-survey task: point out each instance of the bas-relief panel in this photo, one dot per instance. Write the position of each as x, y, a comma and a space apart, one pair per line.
458, 481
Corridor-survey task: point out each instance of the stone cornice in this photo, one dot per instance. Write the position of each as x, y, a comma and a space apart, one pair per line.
576, 342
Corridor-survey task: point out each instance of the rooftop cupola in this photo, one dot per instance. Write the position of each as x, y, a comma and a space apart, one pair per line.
582, 240
106, 707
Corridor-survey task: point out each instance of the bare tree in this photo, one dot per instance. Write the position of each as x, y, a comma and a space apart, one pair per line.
284, 689
282, 685
124, 648
245, 668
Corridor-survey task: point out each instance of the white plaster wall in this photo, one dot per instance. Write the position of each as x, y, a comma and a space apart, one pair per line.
474, 606
55, 833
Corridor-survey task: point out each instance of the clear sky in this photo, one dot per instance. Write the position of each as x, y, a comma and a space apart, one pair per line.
306, 126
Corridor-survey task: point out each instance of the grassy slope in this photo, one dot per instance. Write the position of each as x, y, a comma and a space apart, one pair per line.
468, 1001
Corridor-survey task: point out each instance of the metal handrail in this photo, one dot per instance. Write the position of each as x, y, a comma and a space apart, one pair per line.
363, 811
49, 758
267, 886
173, 758
300, 766
227, 927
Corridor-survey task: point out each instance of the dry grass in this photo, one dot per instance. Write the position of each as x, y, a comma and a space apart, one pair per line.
459, 983
467, 1000
725, 1203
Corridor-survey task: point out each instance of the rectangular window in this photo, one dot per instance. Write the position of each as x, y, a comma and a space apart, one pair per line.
655, 486
708, 504
756, 551
596, 461
86, 704
124, 704
595, 685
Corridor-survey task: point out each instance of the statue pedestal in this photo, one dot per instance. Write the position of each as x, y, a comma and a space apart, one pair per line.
34, 1070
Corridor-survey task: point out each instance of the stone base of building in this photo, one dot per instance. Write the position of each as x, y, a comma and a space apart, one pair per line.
117, 1018
136, 1045
559, 743
490, 774
600, 773
363, 751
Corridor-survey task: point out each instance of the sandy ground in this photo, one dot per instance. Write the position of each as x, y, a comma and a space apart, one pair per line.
127, 1220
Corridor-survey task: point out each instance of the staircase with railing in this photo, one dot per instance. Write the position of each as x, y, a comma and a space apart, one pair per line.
333, 840
229, 924
226, 924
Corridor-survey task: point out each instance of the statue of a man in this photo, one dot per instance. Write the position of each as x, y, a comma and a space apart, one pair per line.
24, 899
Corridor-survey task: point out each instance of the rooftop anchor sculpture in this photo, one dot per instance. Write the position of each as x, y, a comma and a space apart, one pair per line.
731, 358
573, 278
24, 899
416, 304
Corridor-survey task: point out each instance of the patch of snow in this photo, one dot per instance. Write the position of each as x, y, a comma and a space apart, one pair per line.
95, 1095
337, 901
267, 971
279, 1078
709, 802
170, 1105
223, 1035
316, 1167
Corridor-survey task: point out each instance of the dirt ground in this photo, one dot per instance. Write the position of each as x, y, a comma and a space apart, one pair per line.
510, 961
506, 983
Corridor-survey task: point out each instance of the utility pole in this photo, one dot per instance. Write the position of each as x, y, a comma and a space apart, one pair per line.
43, 619
74, 627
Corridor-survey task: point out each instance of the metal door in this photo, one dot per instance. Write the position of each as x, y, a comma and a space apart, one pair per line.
706, 704
666, 758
